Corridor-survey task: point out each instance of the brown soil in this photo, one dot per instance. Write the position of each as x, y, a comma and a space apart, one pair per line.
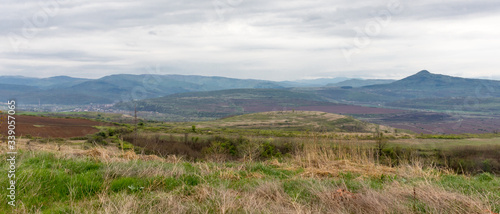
50, 127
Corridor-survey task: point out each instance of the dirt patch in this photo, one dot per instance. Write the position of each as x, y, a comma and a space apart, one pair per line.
466, 125
51, 127
440, 123
419, 117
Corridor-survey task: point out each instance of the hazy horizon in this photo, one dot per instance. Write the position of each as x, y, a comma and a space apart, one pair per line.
278, 40
305, 79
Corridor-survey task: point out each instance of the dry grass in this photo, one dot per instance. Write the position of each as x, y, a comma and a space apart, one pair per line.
319, 160
320, 165
269, 197
395, 199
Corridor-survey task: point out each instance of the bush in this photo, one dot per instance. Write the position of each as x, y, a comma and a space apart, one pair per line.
97, 139
217, 147
473, 159
268, 151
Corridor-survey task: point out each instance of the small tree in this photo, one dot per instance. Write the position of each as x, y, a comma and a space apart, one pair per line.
193, 128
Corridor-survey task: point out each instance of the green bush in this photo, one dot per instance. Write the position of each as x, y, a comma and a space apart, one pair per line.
97, 138
217, 147
267, 150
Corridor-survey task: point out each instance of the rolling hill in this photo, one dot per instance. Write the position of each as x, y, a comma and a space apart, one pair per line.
217, 104
295, 121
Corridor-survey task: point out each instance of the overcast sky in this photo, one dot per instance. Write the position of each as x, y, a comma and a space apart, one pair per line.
259, 39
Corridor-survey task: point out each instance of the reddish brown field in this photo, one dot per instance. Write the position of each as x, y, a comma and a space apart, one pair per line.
51, 127
441, 123
304, 105
466, 125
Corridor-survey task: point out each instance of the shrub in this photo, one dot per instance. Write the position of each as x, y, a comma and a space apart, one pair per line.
268, 151
97, 139
473, 159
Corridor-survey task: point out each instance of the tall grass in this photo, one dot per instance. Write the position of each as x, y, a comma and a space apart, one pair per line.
319, 175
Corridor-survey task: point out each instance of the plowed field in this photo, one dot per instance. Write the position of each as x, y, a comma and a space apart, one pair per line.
50, 127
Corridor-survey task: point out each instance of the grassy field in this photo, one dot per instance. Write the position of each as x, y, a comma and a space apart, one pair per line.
226, 166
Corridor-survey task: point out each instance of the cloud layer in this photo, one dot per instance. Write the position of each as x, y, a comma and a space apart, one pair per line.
275, 40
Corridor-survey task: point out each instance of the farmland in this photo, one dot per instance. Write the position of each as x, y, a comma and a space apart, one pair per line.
46, 127
440, 122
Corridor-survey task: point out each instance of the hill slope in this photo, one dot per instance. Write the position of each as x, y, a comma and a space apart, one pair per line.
296, 121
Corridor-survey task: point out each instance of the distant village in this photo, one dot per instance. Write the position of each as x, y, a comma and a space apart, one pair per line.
70, 108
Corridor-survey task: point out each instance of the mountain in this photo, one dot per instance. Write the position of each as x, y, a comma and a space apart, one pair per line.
9, 91
313, 82
121, 87
360, 82
416, 89
428, 85
42, 83
211, 83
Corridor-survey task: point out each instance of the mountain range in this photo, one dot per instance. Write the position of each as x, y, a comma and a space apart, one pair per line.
360, 82
163, 93
423, 90
65, 90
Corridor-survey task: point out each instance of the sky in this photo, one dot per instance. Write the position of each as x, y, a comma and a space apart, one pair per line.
271, 40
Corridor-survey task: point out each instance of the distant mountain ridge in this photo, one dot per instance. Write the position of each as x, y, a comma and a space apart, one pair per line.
427, 85
115, 88
361, 82
43, 83
313, 82
65, 90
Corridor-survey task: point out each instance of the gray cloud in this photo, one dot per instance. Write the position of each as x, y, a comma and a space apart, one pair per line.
260, 39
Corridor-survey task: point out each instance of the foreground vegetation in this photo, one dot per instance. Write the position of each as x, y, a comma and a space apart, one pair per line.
234, 168
108, 180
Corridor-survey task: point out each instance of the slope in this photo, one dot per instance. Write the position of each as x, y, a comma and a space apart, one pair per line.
295, 121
